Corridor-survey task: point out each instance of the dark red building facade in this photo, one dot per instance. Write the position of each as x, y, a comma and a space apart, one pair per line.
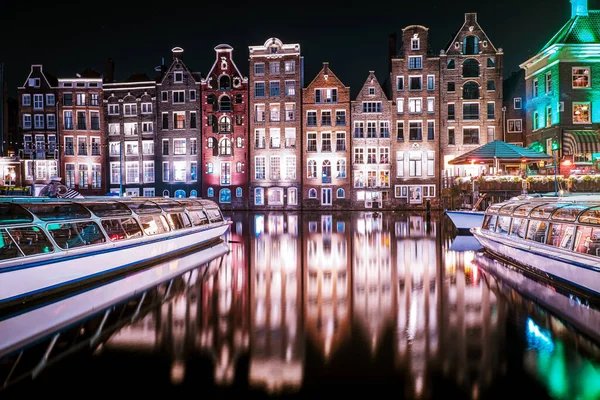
225, 132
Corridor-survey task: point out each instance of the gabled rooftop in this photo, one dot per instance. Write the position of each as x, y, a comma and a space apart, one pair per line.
580, 29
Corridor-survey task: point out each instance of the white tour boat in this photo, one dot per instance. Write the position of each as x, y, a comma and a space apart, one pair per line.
50, 245
556, 237
464, 220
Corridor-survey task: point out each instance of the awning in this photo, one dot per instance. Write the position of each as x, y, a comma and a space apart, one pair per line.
576, 142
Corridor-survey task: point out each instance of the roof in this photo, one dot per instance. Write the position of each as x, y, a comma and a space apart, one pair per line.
501, 151
580, 29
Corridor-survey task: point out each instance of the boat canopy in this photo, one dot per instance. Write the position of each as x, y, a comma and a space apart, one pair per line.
569, 212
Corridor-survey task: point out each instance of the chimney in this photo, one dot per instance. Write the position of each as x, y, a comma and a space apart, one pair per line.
325, 67
177, 53
470, 19
579, 8
392, 48
109, 70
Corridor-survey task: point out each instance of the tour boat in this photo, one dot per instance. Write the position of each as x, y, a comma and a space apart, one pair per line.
558, 238
48, 245
464, 220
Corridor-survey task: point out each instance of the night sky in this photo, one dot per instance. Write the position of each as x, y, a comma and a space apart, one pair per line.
352, 36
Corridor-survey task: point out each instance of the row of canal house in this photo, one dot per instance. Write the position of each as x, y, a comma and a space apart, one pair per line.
266, 141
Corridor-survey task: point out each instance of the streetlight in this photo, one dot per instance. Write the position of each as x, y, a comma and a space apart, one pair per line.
555, 148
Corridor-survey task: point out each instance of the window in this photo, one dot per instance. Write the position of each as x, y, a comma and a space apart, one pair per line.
515, 125
259, 112
148, 171
178, 76
179, 146
371, 129
311, 118
581, 77
548, 82
290, 111
400, 83
225, 173
81, 120
225, 124
96, 176
451, 137
239, 167
371, 107
490, 134
164, 95
325, 118
239, 98
238, 192
517, 103
430, 82
341, 169
259, 89
451, 87
415, 62
430, 163
115, 173
275, 137
400, 106
340, 118
491, 111
340, 193
534, 88
94, 100
414, 106
210, 168
132, 172
259, 196
94, 120
312, 193
548, 116
470, 68
146, 108
178, 96
451, 64
129, 110
491, 62
292, 196
415, 163
325, 141
311, 142
38, 101
325, 95
210, 192
414, 43
415, 129
69, 146
290, 88
179, 120
290, 137
275, 114
146, 127
275, 167
371, 155
470, 111
415, 83
95, 146
491, 85
70, 175
260, 168
113, 109
130, 128
581, 113
274, 88
311, 171
83, 176
431, 105
274, 67
38, 121
399, 163
430, 130
371, 91
384, 155
225, 196
192, 96
535, 122
470, 45
384, 129
68, 100
259, 68
400, 131
359, 155
289, 67
470, 135
225, 103
81, 99
471, 91
225, 147
26, 100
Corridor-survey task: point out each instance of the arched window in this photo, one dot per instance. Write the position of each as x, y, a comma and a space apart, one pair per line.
326, 171
238, 192
341, 169
211, 142
224, 82
312, 193
210, 192
179, 194
312, 169
212, 99
471, 91
238, 167
209, 168
470, 45
341, 193
225, 196
470, 68
239, 142
225, 124
225, 147
225, 103
193, 193
239, 98
165, 193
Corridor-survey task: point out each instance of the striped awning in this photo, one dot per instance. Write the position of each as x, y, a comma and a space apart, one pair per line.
577, 142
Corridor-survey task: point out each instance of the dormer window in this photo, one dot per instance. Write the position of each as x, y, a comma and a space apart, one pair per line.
371, 91
224, 82
178, 77
34, 82
414, 43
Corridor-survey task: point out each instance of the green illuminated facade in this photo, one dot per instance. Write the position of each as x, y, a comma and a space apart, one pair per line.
563, 91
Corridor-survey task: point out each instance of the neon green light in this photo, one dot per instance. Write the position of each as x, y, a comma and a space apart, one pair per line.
586, 36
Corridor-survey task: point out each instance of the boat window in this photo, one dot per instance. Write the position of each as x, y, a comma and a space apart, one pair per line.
144, 207
544, 210
109, 209
153, 224
58, 211
13, 214
587, 240
31, 240
569, 213
8, 248
75, 234
561, 235
170, 206
489, 222
122, 228
537, 231
198, 217
503, 225
591, 216
493, 209
178, 221
508, 209
214, 214
518, 227
523, 210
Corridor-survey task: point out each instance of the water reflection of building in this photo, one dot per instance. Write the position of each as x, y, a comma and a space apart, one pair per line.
277, 335
473, 324
418, 291
327, 270
372, 275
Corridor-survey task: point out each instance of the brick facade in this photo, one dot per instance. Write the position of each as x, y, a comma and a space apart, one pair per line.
276, 81
137, 149
177, 147
370, 160
514, 108
225, 132
327, 100
471, 94
415, 95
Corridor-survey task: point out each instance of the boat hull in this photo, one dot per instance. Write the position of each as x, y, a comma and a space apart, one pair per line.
574, 269
48, 276
465, 220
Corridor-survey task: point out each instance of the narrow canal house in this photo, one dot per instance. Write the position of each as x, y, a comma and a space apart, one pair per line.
416, 145
130, 116
38, 123
471, 94
177, 153
562, 85
326, 148
371, 146
276, 81
225, 132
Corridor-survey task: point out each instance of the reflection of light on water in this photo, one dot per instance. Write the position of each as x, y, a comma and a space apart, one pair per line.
411, 329
177, 372
538, 340
419, 386
259, 225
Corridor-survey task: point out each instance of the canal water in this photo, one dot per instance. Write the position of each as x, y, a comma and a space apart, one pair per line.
313, 305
